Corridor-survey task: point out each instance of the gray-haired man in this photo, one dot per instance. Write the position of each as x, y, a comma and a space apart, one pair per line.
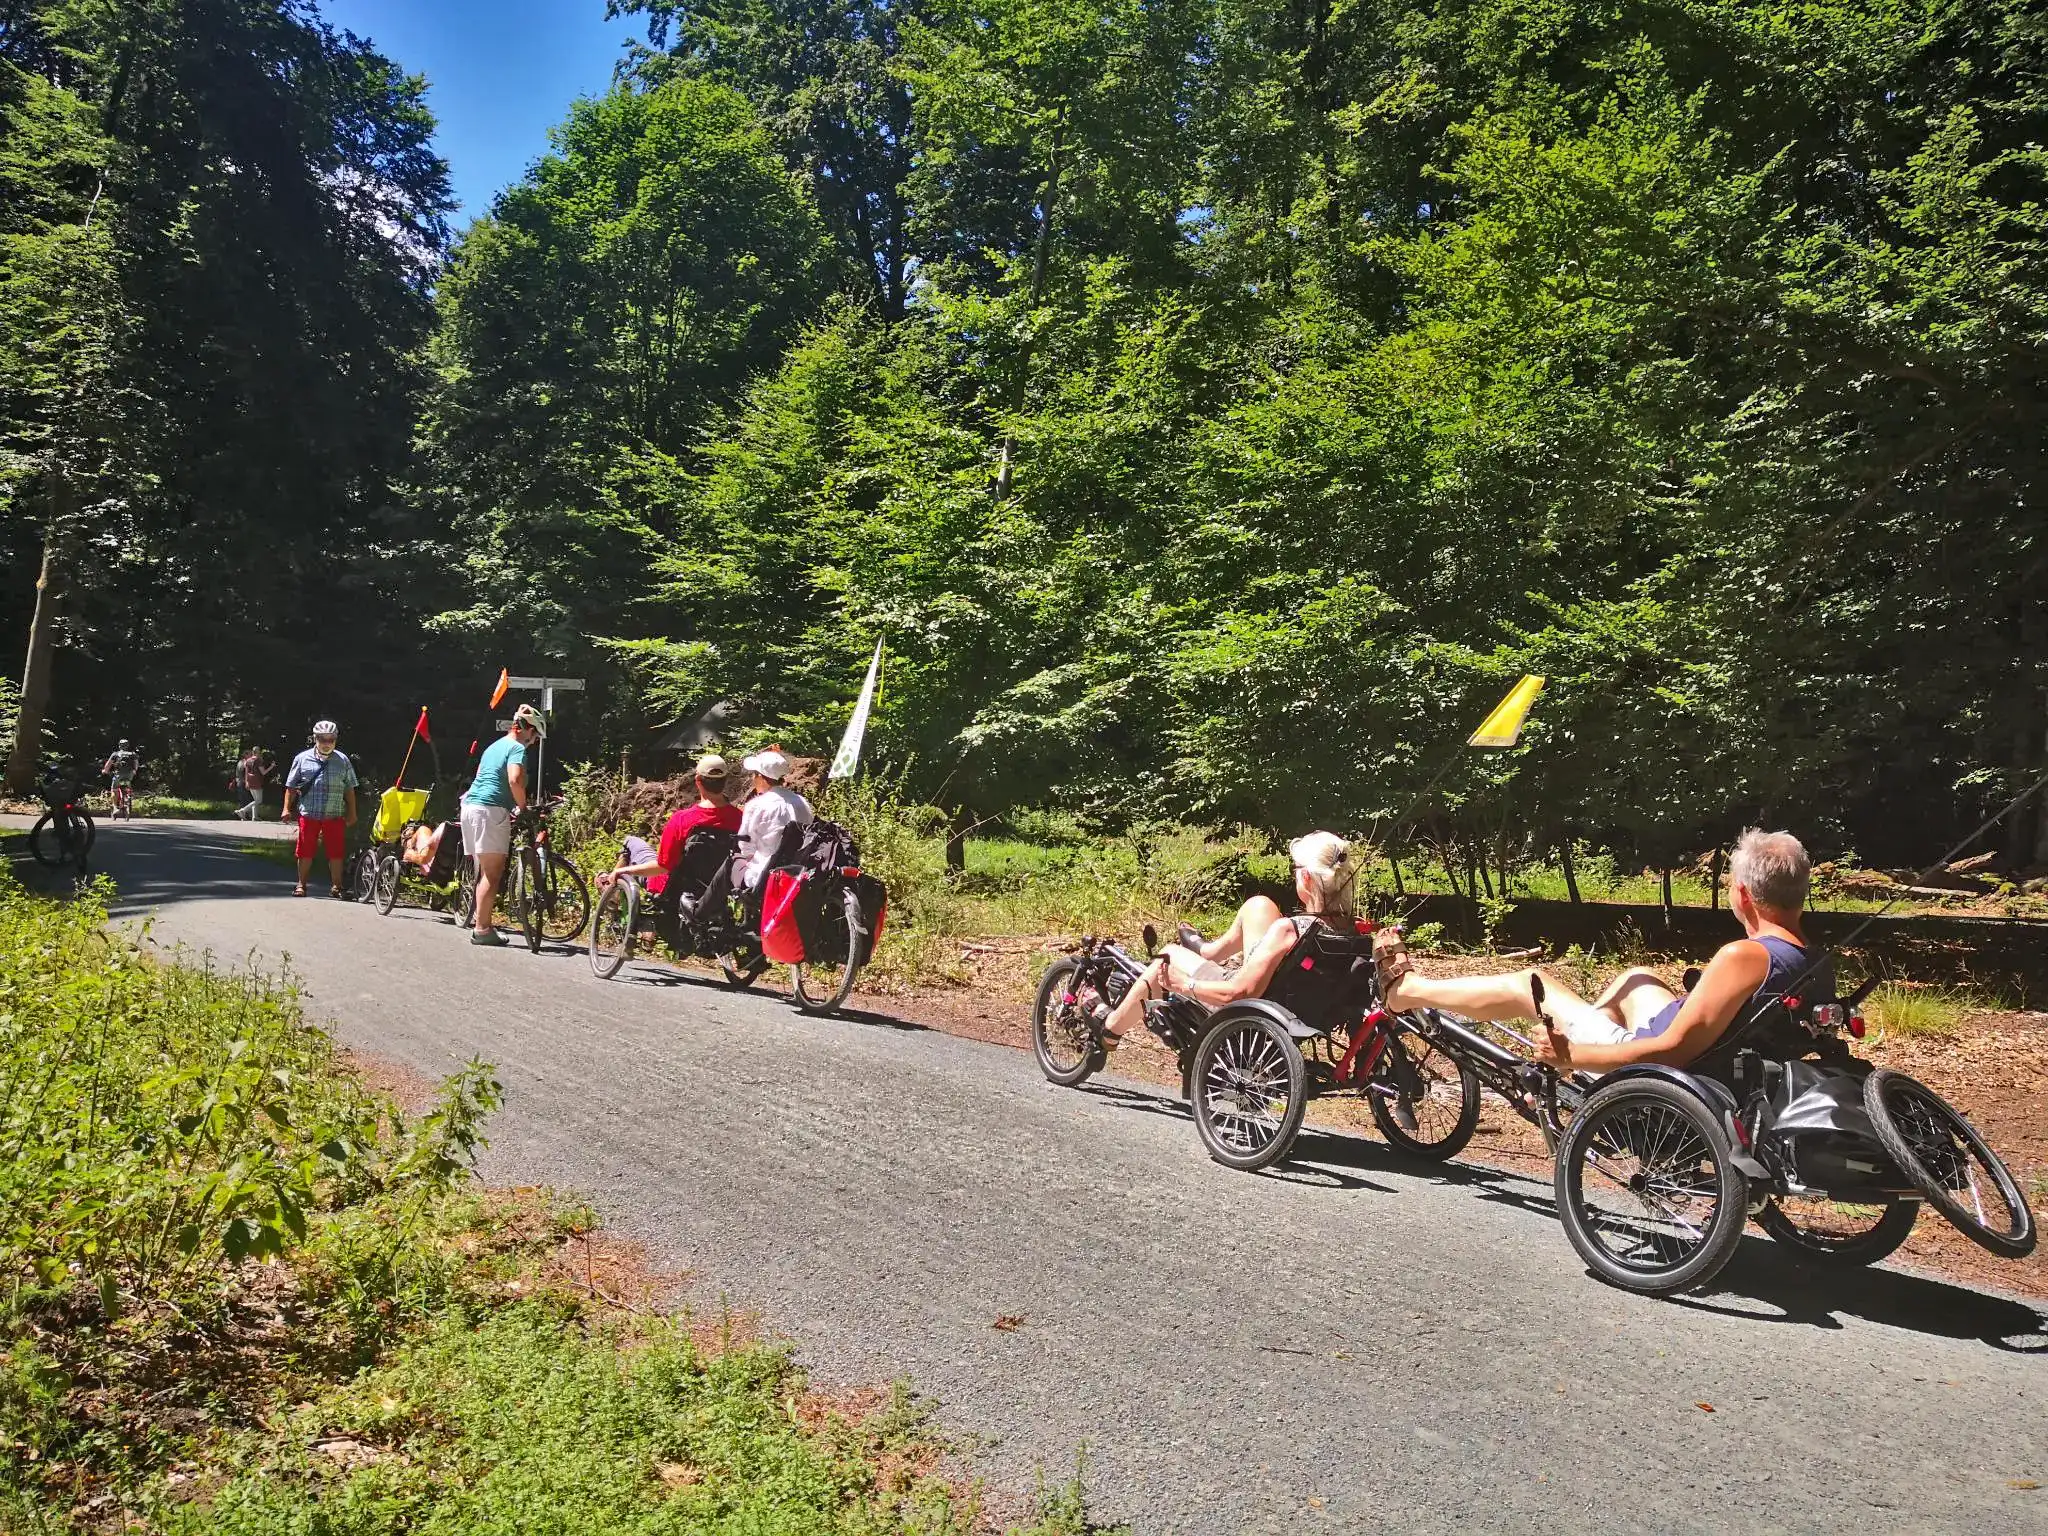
1638, 1018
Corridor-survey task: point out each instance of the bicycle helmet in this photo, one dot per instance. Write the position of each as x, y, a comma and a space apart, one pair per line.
326, 728
531, 718
124, 744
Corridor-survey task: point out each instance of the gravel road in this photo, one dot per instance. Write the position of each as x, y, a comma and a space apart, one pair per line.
1350, 1343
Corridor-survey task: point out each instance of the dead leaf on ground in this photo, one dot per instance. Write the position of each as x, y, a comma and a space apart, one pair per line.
1704, 1407
1009, 1322
2024, 1484
678, 1474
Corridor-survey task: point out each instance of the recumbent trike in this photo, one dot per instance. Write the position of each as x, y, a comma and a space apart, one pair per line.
1657, 1168
819, 914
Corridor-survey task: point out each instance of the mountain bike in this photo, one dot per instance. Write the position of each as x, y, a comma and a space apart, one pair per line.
548, 894
63, 834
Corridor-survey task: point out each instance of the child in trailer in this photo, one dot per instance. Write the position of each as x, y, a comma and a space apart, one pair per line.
1638, 1018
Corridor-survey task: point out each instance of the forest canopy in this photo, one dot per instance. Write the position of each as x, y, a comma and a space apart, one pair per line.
1212, 406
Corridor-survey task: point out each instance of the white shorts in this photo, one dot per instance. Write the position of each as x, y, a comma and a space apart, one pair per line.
486, 829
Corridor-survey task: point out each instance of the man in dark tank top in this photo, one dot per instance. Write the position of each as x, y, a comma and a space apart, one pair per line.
1638, 1018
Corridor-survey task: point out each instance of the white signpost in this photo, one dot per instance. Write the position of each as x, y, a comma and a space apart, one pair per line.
546, 687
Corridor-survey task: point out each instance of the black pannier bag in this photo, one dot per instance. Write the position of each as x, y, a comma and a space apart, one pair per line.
1817, 1112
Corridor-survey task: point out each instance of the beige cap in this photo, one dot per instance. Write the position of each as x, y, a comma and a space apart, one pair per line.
711, 766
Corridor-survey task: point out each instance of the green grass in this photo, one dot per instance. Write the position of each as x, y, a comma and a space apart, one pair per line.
532, 1420
219, 1251
1899, 1008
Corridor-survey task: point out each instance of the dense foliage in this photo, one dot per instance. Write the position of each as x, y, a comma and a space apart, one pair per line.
1214, 405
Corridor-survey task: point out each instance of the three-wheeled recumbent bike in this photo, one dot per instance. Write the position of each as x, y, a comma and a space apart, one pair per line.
1657, 1169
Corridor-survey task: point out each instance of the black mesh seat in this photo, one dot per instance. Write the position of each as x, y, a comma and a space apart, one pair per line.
1327, 974
705, 852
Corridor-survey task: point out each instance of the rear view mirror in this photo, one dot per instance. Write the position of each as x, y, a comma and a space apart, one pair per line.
1151, 937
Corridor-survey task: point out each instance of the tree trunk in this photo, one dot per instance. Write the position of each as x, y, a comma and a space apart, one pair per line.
1399, 889
956, 841
1666, 872
1714, 883
1478, 872
22, 762
1571, 875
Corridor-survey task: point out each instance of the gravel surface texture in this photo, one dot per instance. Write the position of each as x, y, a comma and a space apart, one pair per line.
1350, 1343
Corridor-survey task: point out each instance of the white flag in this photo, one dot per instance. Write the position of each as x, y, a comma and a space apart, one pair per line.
848, 756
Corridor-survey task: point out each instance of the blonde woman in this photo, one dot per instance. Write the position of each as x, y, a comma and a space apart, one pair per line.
1243, 962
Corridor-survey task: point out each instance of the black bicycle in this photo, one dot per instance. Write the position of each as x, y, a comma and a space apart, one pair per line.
64, 833
547, 893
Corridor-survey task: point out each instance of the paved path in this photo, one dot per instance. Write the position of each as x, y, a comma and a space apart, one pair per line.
1352, 1343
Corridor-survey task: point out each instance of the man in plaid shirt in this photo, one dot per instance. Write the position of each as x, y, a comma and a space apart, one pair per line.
320, 789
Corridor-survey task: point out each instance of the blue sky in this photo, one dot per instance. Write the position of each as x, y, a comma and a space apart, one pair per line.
500, 73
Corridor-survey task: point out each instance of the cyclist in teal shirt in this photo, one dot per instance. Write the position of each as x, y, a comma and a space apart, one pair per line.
498, 789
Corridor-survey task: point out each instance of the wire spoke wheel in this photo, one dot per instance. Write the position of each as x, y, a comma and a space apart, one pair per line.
1250, 1091
1063, 1037
565, 899
1646, 1188
526, 897
385, 876
1847, 1232
821, 981
611, 927
1445, 1110
1953, 1166
465, 894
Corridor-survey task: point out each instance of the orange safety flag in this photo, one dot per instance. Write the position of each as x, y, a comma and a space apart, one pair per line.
504, 682
420, 730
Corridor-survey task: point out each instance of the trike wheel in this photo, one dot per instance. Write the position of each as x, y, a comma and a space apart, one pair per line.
820, 983
1446, 1109
1953, 1166
1845, 1232
1068, 1050
611, 927
465, 894
1251, 1090
389, 871
1647, 1190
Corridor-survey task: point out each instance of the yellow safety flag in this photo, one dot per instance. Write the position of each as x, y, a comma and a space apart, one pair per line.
1503, 728
504, 682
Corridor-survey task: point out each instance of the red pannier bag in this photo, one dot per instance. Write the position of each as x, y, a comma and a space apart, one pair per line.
782, 939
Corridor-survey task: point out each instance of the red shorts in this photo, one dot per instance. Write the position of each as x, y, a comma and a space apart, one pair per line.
333, 834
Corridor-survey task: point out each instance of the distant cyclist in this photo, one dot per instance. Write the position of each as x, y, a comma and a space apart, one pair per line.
122, 764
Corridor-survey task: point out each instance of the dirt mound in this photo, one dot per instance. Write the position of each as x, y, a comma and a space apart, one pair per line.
642, 805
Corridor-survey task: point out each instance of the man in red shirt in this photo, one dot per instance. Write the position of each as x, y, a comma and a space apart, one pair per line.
711, 809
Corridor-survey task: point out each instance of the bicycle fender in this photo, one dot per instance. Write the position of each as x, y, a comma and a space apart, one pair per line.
1717, 1098
1259, 1007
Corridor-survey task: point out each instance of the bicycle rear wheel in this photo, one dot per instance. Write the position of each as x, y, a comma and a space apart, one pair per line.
389, 872
820, 983
565, 900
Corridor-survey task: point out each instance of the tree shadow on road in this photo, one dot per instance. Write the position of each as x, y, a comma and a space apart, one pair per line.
1763, 1283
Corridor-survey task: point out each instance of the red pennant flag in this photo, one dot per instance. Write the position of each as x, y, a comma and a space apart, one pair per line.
420, 730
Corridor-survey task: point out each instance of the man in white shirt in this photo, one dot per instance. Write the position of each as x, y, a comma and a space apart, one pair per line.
772, 807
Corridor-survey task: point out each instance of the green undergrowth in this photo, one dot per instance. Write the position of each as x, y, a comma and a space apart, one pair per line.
240, 1292
1901, 1008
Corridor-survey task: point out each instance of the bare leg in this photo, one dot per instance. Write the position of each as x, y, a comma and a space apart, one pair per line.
1634, 997
490, 873
1170, 970
1507, 997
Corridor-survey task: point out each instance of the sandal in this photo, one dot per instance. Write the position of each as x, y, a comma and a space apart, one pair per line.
300, 891
336, 892
1390, 955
